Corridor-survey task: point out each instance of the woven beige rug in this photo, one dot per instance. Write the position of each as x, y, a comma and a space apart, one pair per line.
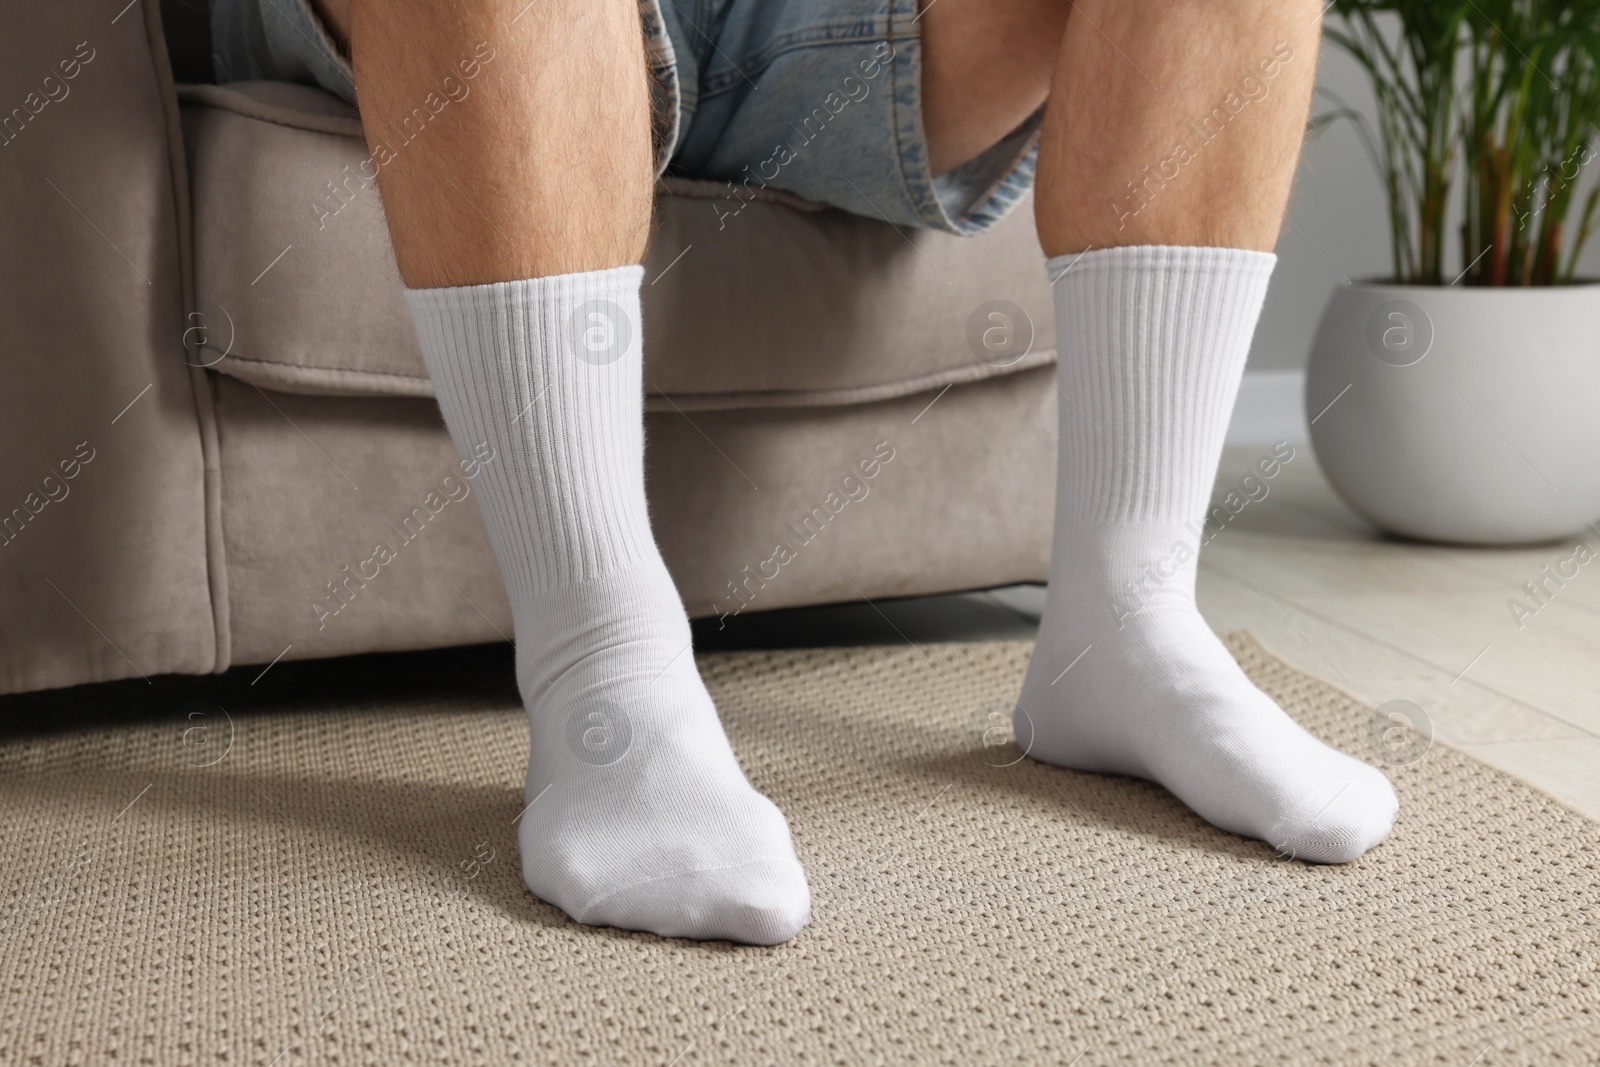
337, 883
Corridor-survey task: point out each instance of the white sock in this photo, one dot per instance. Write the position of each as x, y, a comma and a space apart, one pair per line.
1127, 677
639, 814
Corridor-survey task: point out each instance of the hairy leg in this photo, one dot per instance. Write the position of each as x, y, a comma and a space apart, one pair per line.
1165, 163
985, 68
546, 168
1135, 79
519, 212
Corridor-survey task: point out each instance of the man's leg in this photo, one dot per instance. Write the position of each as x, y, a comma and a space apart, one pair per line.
985, 68
1134, 80
1167, 154
518, 219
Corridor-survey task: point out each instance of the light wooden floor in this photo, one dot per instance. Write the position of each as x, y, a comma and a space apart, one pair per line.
1392, 620
1387, 620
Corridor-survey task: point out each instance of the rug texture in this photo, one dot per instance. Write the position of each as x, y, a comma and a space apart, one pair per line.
337, 882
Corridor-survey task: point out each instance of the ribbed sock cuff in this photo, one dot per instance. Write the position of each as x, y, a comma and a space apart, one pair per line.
616, 283
546, 374
1151, 345
1189, 259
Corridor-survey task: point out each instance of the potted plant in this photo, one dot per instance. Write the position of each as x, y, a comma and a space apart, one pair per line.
1463, 404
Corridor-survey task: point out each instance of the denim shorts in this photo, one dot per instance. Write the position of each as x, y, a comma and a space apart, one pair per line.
819, 98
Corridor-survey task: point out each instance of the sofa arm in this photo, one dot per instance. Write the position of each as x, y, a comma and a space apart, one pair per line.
105, 487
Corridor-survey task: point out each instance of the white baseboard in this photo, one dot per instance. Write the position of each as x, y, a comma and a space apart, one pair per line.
1271, 407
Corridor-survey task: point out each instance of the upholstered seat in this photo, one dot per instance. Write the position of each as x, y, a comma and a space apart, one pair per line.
784, 343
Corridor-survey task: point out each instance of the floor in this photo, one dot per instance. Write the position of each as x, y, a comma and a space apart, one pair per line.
1387, 620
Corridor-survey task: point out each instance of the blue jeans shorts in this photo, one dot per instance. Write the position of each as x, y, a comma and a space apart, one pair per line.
820, 98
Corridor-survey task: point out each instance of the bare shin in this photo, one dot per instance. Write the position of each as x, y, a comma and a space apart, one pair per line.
1175, 123
540, 164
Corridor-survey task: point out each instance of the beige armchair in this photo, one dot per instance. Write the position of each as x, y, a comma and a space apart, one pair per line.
213, 409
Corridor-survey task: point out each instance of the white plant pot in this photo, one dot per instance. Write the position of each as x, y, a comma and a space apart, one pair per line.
1465, 415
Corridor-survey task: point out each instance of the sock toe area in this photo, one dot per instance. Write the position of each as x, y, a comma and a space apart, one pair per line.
757, 902
1339, 822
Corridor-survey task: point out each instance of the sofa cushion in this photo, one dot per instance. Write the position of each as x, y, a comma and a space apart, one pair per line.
758, 301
